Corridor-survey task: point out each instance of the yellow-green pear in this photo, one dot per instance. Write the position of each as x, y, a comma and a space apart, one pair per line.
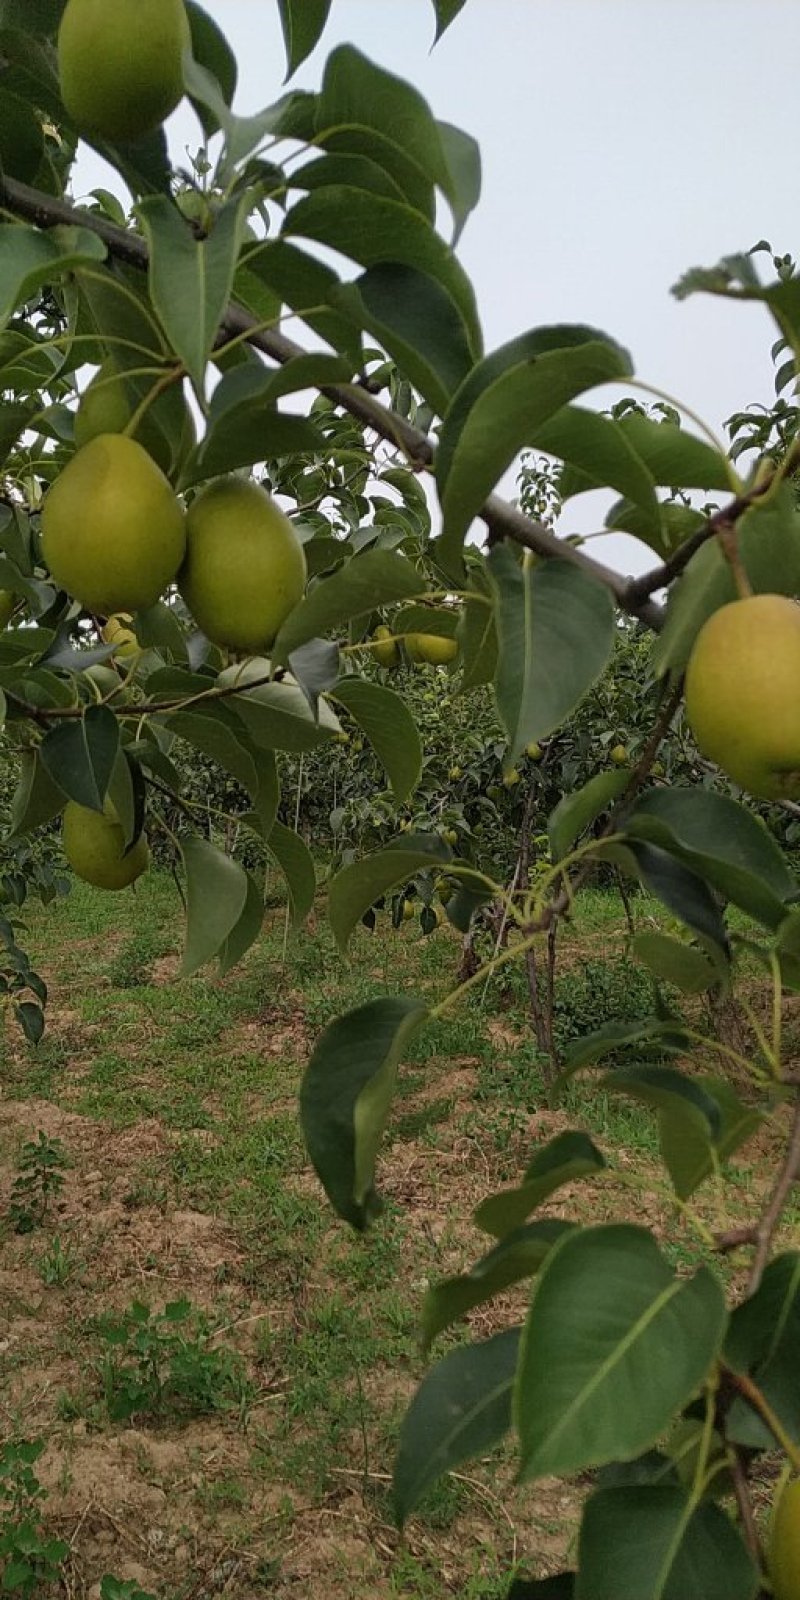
430, 648
113, 532
619, 755
245, 569
165, 429
743, 694
784, 1543
117, 632
120, 66
94, 845
385, 648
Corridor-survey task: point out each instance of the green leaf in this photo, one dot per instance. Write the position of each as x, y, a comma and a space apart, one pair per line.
307, 286
211, 49
591, 1047
356, 93
688, 1154
367, 582
463, 157
303, 22
246, 930
597, 454
519, 1255
682, 891
663, 1545
191, 279
769, 548
385, 719
668, 1090
216, 892
613, 1347
675, 962
21, 138
763, 1341
371, 229
418, 324
498, 409
446, 12
37, 798
79, 756
297, 865
244, 437
345, 1099
555, 629
218, 733
277, 715
461, 1409
477, 632
559, 1587
29, 259
564, 1159
359, 885
722, 842
576, 812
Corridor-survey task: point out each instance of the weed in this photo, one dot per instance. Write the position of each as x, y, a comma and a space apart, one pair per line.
56, 1264
40, 1178
28, 1558
122, 1589
161, 1362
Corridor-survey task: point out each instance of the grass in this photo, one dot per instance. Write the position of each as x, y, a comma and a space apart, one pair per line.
177, 1104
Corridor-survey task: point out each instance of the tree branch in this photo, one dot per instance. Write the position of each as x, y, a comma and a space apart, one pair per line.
503, 520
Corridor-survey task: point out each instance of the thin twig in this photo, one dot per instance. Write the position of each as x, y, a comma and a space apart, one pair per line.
745, 1507
769, 1221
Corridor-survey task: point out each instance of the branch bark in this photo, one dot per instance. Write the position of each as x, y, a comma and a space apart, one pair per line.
769, 1221
503, 520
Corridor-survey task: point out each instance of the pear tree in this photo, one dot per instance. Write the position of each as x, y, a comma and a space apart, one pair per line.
258, 556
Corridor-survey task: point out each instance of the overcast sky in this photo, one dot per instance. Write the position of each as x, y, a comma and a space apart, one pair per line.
623, 141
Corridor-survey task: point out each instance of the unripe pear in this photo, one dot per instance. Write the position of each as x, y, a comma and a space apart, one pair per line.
784, 1544
94, 845
534, 751
619, 755
431, 648
113, 533
109, 402
120, 64
408, 910
511, 779
385, 649
245, 569
742, 694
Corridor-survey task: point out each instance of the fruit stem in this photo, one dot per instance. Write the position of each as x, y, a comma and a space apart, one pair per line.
174, 375
729, 544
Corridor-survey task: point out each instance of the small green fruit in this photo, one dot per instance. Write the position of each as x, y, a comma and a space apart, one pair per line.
94, 845
120, 64
408, 910
116, 632
511, 779
450, 836
112, 530
443, 890
385, 650
534, 751
455, 773
619, 755
742, 700
784, 1544
245, 569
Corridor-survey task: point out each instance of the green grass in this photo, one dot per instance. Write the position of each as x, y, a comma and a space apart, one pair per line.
215, 1066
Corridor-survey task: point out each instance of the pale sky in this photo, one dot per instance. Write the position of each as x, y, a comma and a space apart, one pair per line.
623, 141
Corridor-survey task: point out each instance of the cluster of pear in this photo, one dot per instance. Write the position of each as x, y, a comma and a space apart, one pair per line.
115, 536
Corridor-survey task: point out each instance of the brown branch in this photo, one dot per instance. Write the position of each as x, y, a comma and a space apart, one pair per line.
745, 1507
769, 1221
502, 519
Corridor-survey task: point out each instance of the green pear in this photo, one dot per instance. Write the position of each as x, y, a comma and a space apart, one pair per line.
385, 649
784, 1542
430, 648
120, 64
113, 532
94, 845
742, 699
245, 569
